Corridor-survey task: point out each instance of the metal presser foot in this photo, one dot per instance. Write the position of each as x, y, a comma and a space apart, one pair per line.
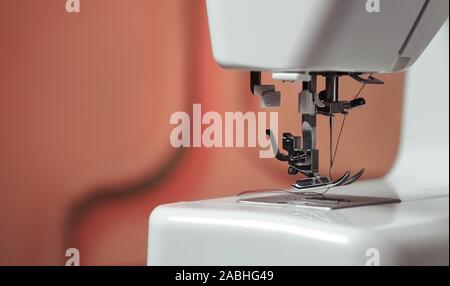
301, 153
298, 159
324, 183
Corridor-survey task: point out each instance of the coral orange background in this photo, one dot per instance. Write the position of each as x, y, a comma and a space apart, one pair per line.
84, 118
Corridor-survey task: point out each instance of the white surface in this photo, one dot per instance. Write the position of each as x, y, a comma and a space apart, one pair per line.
423, 161
320, 35
222, 232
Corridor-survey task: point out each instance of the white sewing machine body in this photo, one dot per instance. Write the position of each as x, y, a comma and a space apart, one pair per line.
223, 232
322, 35
412, 232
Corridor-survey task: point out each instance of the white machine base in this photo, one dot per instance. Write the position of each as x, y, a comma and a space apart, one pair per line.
225, 232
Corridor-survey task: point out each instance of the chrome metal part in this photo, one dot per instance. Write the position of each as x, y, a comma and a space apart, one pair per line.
317, 201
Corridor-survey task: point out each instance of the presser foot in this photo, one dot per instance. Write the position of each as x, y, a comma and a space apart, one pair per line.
323, 183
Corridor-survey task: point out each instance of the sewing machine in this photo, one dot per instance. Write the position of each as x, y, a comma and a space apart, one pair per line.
401, 219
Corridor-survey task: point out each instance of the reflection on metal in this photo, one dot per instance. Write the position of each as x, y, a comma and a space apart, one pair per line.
317, 201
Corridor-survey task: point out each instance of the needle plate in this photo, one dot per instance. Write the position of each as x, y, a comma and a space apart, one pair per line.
317, 201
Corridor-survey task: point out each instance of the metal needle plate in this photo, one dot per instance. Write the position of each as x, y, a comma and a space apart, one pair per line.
308, 200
